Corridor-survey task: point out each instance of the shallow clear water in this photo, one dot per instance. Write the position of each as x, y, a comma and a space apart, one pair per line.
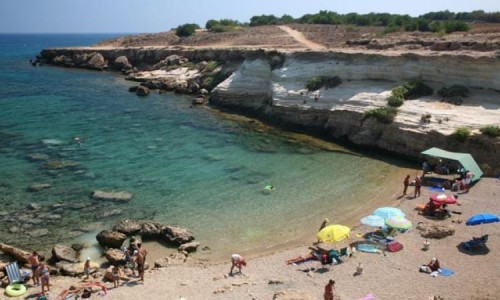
186, 166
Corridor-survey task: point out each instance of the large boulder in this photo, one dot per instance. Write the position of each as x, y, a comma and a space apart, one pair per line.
20, 255
97, 62
177, 235
142, 91
189, 247
435, 231
64, 253
118, 196
121, 63
152, 230
110, 239
115, 256
75, 269
128, 227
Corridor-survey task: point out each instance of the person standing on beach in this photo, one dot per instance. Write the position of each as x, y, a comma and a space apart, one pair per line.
418, 185
139, 259
43, 271
237, 261
406, 183
329, 288
35, 262
86, 268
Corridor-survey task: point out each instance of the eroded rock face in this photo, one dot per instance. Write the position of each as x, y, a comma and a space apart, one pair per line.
64, 253
121, 63
142, 91
435, 231
110, 239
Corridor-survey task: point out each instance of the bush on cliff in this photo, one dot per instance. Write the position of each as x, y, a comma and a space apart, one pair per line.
318, 82
395, 101
454, 91
491, 131
461, 134
416, 89
186, 30
384, 115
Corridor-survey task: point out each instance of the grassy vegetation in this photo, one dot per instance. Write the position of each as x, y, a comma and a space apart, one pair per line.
454, 91
384, 115
318, 82
461, 134
410, 90
491, 131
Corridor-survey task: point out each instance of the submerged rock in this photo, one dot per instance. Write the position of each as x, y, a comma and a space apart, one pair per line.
37, 187
128, 227
121, 196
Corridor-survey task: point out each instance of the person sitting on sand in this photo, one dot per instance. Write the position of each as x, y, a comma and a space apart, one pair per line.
433, 266
237, 261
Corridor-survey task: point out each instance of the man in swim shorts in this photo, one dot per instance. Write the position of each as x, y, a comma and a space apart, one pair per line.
237, 261
35, 262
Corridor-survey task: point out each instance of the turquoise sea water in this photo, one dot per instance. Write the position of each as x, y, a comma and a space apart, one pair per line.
188, 166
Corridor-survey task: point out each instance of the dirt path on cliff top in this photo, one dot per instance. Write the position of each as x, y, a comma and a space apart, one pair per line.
299, 37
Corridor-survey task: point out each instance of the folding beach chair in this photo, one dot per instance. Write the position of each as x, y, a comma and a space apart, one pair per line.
476, 243
13, 272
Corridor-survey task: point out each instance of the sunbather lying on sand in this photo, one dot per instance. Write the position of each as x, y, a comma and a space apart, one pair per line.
314, 254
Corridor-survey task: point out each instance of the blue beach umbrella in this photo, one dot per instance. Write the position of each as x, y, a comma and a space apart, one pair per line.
373, 221
482, 218
387, 212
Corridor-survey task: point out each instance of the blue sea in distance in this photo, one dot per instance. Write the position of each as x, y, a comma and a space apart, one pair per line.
194, 167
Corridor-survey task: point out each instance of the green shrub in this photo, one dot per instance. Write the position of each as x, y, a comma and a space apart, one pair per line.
384, 115
454, 91
491, 131
211, 65
318, 82
462, 133
399, 92
391, 29
395, 101
186, 30
416, 89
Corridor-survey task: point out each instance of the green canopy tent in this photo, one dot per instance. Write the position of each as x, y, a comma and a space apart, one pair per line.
465, 159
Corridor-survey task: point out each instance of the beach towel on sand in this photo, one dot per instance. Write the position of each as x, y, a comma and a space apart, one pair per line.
445, 272
367, 248
435, 189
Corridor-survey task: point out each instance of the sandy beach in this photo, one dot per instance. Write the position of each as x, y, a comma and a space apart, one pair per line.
385, 276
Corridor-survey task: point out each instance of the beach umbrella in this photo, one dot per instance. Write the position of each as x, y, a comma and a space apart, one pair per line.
398, 222
373, 221
443, 199
386, 212
333, 233
482, 218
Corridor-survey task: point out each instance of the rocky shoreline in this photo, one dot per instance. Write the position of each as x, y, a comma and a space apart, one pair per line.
270, 85
66, 260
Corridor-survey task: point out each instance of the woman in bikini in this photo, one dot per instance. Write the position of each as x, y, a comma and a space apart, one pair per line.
43, 271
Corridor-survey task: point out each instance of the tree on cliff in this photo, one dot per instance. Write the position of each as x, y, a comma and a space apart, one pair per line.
186, 30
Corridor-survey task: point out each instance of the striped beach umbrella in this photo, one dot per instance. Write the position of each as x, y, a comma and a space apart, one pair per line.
373, 221
398, 222
386, 212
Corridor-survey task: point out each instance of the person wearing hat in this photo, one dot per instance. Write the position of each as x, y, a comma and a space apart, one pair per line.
86, 267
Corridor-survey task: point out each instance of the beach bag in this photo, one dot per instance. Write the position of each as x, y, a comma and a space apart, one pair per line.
394, 246
86, 293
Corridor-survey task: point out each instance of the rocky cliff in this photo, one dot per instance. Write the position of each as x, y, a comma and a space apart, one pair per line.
270, 85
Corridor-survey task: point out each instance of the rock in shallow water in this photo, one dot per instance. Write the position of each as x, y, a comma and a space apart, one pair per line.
120, 196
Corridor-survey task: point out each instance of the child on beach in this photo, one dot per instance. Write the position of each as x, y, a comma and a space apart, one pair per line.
116, 276
237, 261
329, 288
86, 268
43, 271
